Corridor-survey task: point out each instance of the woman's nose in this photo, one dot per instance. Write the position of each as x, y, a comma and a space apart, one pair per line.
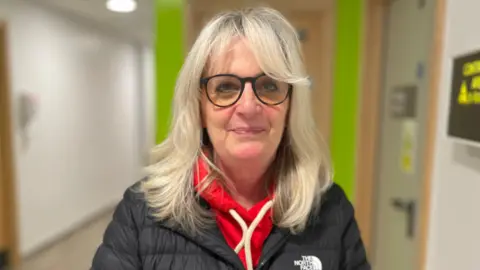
248, 103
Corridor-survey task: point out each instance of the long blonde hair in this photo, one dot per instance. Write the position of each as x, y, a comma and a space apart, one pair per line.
302, 164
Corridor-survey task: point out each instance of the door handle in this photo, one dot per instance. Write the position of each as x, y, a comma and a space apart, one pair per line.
409, 208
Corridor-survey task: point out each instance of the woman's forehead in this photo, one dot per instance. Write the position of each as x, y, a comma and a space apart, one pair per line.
236, 55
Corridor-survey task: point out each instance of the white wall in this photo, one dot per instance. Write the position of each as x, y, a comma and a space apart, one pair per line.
83, 145
148, 102
455, 221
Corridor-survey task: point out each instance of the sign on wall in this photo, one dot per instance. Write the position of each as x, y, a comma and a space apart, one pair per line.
403, 101
464, 115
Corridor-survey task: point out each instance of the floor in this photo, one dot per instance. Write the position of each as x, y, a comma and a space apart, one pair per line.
73, 253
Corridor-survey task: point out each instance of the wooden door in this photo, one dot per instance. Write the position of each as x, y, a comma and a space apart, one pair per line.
4, 241
8, 240
316, 31
400, 158
379, 59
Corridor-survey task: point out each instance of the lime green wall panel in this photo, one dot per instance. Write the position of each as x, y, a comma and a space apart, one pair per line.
169, 57
346, 92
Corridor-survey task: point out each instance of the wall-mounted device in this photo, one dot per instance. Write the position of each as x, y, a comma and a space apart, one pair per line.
464, 111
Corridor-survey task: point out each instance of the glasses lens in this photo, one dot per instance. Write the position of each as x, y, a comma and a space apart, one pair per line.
271, 91
224, 90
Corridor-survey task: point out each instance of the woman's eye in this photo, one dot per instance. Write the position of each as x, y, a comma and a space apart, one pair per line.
270, 87
226, 87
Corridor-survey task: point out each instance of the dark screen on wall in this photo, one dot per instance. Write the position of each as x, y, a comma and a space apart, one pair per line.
464, 115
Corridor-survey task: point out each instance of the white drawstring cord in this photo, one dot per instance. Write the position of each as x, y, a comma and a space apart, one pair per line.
247, 232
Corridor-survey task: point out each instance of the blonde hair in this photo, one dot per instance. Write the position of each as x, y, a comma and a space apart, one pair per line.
302, 164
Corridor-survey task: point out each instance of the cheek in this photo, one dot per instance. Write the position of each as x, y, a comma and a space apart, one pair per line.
215, 119
208, 113
278, 117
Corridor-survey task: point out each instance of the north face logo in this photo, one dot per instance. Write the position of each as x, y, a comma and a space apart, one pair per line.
309, 263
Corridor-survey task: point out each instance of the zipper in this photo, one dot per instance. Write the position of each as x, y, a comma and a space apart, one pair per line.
271, 252
211, 235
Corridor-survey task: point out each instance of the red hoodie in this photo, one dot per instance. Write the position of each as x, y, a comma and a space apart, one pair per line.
230, 215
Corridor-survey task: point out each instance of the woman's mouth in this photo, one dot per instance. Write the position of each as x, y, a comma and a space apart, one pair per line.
248, 131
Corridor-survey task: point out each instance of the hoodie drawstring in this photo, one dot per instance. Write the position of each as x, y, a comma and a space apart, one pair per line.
248, 232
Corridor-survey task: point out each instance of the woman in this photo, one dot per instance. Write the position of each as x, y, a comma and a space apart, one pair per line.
242, 181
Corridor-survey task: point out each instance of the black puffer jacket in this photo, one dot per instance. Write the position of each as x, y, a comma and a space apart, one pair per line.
134, 241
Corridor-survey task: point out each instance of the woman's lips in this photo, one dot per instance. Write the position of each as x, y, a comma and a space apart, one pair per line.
247, 131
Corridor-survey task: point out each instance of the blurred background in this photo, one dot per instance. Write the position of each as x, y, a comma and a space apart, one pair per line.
85, 92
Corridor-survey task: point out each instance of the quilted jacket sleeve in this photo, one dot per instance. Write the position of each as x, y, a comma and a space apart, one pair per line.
119, 248
354, 255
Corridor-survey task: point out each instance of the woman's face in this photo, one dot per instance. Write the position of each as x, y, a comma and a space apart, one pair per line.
248, 130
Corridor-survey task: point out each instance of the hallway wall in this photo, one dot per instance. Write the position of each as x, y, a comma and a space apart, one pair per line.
455, 220
148, 103
82, 148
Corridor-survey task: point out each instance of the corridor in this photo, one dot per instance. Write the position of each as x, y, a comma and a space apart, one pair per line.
74, 252
394, 95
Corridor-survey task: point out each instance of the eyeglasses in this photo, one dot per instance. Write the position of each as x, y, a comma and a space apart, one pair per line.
224, 90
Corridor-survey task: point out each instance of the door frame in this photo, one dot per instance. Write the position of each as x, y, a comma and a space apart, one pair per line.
369, 121
6, 150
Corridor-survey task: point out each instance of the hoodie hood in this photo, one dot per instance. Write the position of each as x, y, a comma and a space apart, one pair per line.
245, 230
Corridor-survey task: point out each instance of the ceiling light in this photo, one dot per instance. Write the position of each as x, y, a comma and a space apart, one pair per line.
123, 6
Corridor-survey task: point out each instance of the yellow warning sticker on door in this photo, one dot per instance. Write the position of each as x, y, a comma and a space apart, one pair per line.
408, 146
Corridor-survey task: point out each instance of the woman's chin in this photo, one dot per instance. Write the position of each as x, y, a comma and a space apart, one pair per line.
246, 151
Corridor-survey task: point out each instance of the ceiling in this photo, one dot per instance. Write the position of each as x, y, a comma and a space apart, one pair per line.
138, 25
281, 5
